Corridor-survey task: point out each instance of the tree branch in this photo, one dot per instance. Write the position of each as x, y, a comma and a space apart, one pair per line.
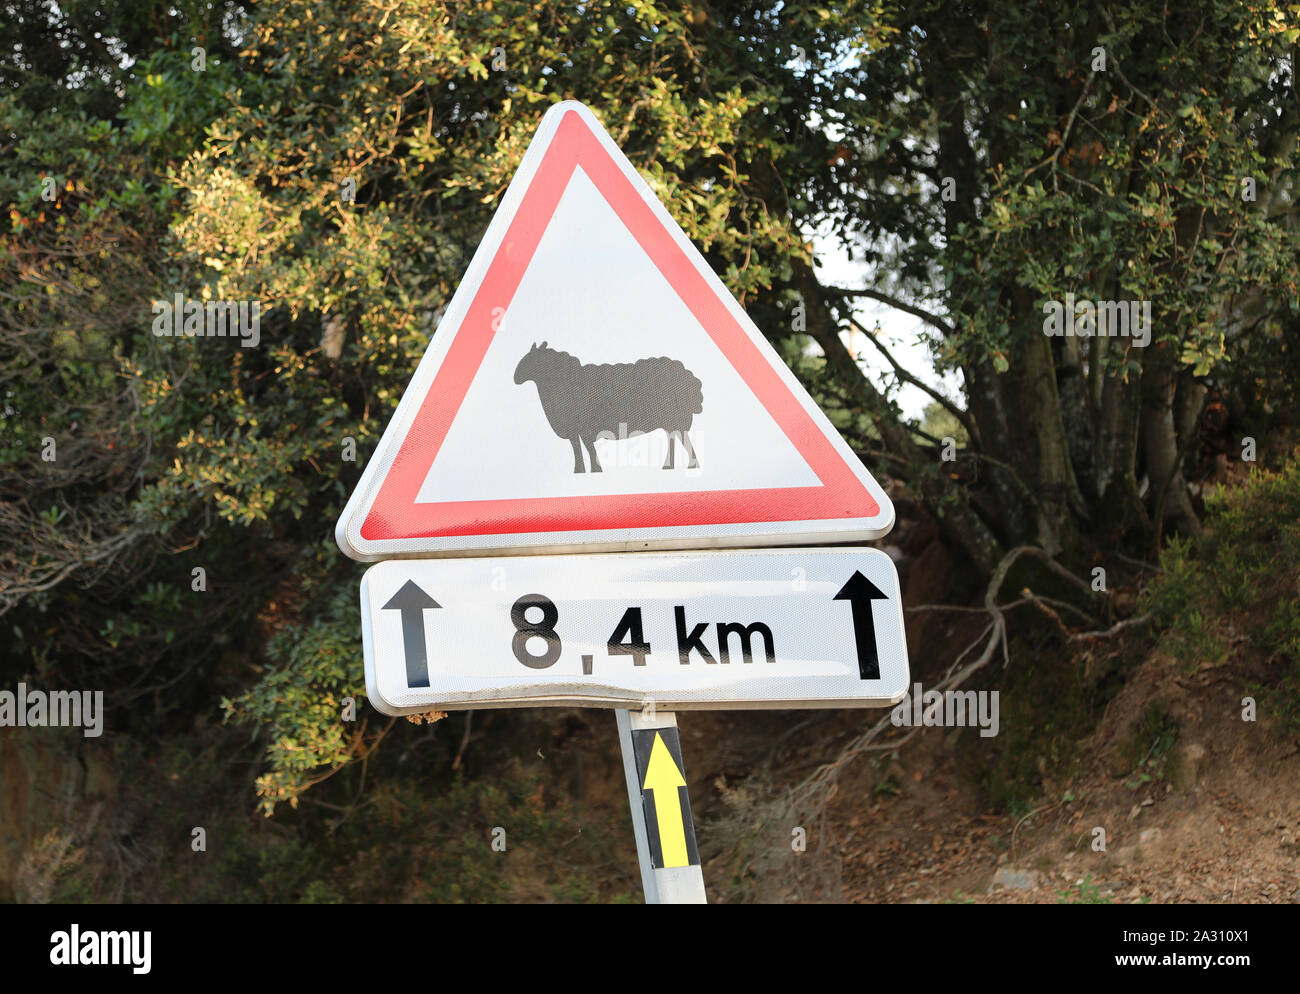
901, 305
907, 377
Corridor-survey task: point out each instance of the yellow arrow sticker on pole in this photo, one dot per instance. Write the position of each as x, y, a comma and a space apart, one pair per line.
663, 778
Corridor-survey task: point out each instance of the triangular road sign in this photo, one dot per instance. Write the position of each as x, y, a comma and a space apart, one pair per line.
593, 386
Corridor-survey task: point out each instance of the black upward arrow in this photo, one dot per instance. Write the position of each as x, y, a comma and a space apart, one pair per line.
860, 592
413, 602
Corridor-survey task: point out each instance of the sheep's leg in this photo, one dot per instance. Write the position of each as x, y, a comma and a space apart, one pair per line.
685, 436
591, 451
671, 449
578, 466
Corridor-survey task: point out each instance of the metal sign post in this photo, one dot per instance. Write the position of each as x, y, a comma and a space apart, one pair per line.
648, 449
661, 807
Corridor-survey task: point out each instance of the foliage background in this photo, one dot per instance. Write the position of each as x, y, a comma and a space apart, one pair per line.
757, 125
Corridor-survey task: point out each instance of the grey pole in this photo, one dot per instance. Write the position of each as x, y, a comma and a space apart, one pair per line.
638, 733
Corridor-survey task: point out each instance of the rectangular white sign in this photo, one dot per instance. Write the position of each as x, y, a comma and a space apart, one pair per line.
703, 630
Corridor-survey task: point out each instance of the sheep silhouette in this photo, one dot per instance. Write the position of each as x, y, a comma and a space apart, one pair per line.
619, 400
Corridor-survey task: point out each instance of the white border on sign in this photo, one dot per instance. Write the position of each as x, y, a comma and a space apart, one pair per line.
757, 534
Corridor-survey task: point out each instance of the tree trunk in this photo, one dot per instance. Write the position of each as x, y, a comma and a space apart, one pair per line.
1115, 458
1060, 505
1160, 443
1078, 416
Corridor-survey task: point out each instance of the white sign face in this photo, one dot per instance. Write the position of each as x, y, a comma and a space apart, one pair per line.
593, 386
712, 630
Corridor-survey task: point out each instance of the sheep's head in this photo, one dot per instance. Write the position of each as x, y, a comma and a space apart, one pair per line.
530, 364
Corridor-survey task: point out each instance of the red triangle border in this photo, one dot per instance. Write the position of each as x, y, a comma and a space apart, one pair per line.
394, 513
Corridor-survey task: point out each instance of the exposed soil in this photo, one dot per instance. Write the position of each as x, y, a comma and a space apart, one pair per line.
1219, 824
1197, 805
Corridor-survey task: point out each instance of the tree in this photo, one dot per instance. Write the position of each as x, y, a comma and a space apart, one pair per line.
1091, 153
339, 164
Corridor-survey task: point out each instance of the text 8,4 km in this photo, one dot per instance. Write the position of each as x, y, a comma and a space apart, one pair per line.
787, 628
